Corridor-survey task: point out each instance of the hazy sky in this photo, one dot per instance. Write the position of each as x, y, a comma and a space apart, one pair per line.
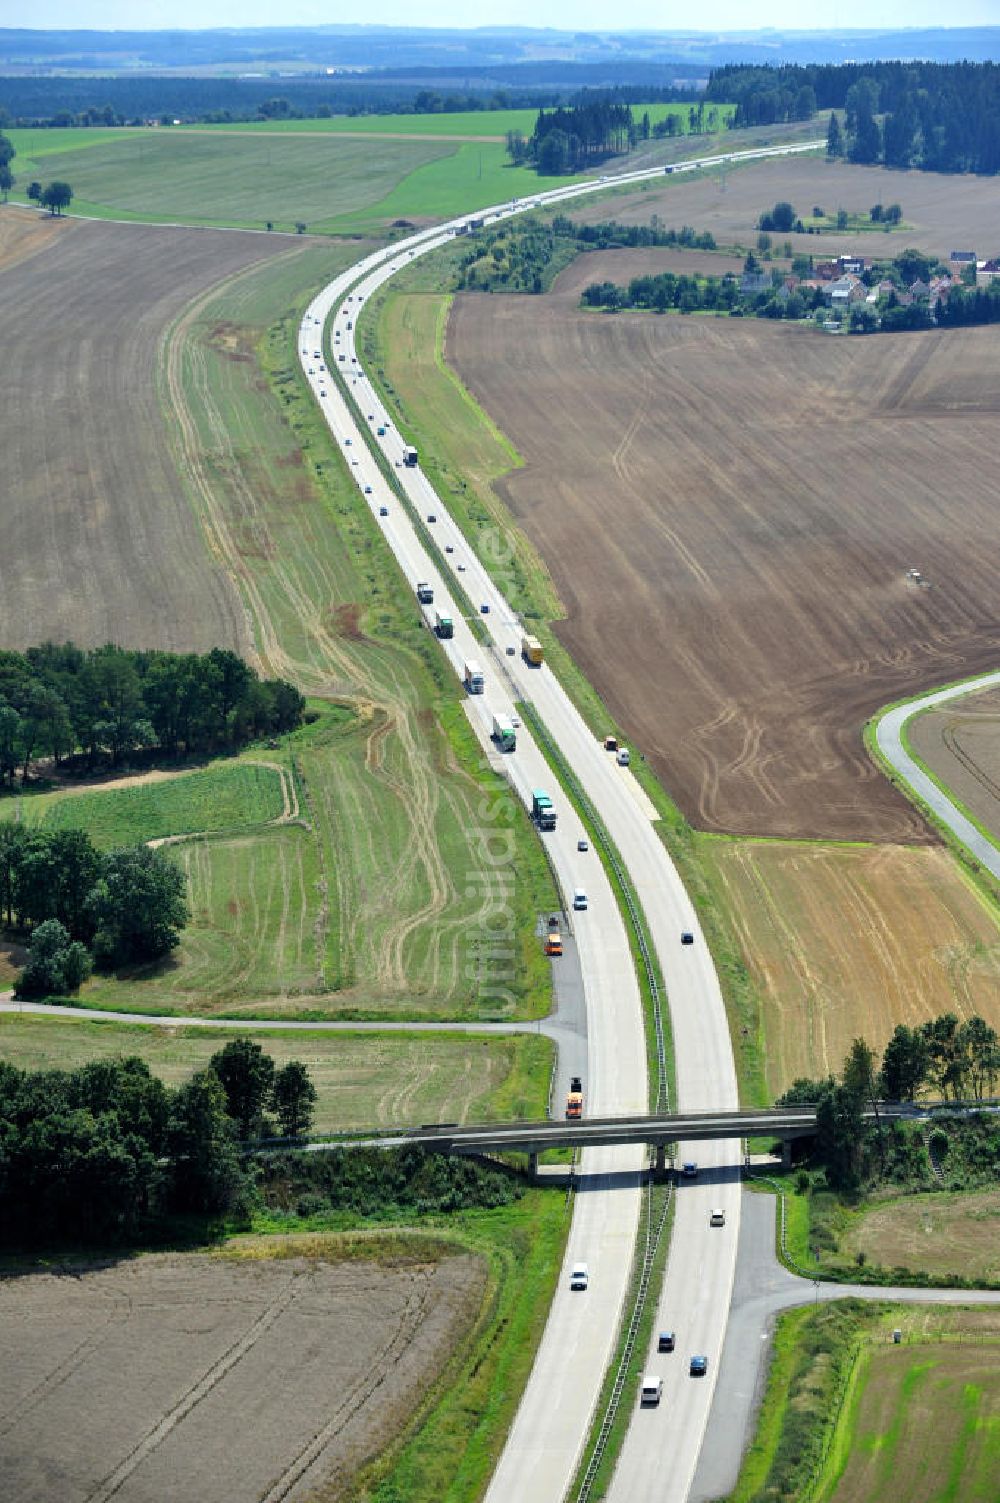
566, 15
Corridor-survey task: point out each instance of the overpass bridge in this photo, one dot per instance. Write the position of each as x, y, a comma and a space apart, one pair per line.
657, 1130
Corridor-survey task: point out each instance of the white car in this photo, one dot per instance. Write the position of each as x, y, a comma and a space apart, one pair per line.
579, 1276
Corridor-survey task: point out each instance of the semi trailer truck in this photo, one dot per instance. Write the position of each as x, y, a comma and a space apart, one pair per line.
473, 675
443, 624
542, 810
531, 651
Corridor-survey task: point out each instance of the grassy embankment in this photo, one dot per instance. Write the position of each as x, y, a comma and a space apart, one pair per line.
849, 1416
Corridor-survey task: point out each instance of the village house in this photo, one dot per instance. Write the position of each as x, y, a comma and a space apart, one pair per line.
987, 272
961, 259
845, 291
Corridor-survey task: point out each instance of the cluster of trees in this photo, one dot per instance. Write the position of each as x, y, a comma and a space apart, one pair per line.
943, 117
57, 700
520, 257
55, 197
108, 1152
954, 1059
374, 1182
82, 905
608, 234
568, 139
693, 294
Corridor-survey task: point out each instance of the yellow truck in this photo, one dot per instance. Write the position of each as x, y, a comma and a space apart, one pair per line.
531, 651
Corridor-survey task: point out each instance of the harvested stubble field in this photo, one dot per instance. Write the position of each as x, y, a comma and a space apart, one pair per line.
960, 743
922, 1422
645, 261
937, 1234
361, 1080
848, 941
226, 1379
728, 509
106, 544
941, 213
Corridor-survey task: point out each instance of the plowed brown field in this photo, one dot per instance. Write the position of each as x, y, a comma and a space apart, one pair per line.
729, 510
940, 213
99, 539
218, 1380
960, 742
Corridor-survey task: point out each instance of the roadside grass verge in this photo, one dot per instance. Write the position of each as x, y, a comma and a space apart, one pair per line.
225, 796
362, 1079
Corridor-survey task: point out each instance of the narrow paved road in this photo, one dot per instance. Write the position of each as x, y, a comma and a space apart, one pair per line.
763, 1289
889, 735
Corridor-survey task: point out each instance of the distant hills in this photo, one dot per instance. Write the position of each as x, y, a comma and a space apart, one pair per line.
485, 56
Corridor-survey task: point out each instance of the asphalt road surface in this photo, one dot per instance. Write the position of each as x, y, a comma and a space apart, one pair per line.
889, 735
547, 1438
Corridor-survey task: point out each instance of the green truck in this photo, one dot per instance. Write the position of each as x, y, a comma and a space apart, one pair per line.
542, 811
504, 734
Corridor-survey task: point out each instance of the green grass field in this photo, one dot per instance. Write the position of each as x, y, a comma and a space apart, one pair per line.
228, 796
850, 1417
485, 124
362, 1079
345, 175
238, 179
381, 906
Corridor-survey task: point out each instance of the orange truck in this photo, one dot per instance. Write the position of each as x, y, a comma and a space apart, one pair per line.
553, 942
574, 1101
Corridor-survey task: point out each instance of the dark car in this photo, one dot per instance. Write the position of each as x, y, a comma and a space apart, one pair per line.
665, 1342
690, 1169
431, 517
687, 938
699, 1367
383, 511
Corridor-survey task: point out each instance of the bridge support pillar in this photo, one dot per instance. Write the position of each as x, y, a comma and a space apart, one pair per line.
786, 1153
660, 1162
533, 1166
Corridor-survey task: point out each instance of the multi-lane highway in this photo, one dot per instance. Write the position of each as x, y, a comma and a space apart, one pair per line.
549, 1432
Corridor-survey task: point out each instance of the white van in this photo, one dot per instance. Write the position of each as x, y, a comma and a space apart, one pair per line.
579, 898
717, 1218
623, 756
651, 1389
579, 1277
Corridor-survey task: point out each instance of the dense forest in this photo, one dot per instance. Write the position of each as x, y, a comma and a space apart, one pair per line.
943, 117
58, 700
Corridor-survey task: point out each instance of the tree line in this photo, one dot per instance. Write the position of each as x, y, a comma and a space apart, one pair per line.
108, 1152
60, 700
571, 138
667, 290
957, 1060
82, 906
522, 256
55, 197
943, 117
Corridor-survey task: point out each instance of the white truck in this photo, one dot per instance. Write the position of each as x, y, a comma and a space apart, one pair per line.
473, 676
504, 734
